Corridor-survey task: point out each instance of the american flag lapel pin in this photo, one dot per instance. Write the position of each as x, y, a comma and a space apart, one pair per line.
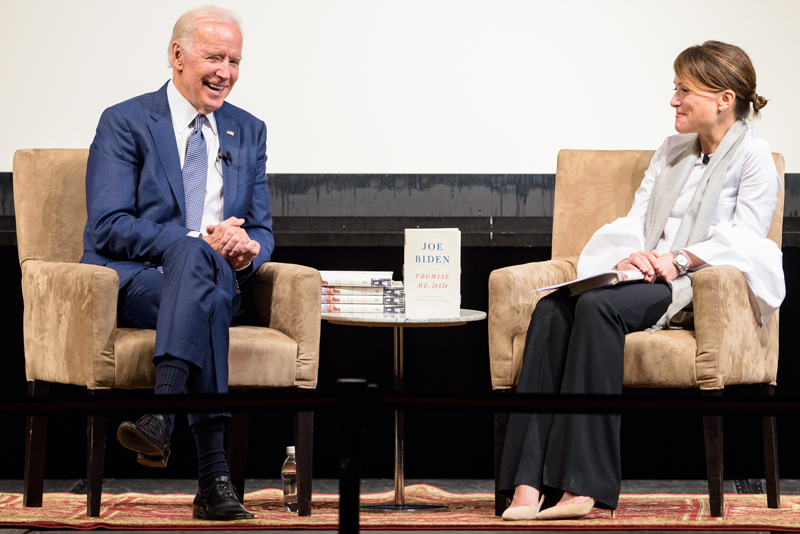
230, 132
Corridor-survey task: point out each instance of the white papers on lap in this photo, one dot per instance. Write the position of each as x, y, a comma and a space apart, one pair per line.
608, 278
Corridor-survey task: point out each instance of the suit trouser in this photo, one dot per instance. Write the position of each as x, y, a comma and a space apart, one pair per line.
191, 305
576, 345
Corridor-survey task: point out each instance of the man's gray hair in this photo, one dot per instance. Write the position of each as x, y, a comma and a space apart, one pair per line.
184, 29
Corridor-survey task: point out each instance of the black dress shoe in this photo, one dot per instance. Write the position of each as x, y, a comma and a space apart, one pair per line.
220, 503
148, 436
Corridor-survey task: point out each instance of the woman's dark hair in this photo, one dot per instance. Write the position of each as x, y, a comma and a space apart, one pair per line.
714, 67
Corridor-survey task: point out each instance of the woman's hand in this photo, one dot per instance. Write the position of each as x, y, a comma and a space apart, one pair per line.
665, 268
643, 261
667, 271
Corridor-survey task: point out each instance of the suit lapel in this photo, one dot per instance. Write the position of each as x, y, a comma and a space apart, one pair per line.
164, 138
229, 136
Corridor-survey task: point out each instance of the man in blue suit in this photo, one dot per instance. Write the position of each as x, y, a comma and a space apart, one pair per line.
178, 205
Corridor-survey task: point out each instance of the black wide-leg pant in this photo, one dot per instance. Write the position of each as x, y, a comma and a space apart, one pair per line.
576, 345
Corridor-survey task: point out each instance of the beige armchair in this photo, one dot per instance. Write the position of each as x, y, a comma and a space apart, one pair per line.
71, 334
728, 345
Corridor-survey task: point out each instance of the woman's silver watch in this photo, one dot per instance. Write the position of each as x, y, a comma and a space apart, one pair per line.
681, 261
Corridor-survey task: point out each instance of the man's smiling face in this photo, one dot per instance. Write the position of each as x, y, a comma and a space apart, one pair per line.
206, 73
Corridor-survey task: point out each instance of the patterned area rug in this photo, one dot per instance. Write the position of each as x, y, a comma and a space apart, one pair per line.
466, 512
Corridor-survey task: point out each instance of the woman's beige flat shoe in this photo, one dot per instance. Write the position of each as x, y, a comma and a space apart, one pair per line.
567, 511
522, 513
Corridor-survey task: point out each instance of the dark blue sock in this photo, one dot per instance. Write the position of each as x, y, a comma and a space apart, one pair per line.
171, 376
209, 437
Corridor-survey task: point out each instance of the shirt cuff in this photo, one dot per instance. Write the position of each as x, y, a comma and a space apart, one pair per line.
194, 233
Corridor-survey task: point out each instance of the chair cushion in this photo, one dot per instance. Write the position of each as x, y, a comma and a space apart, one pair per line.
664, 359
258, 358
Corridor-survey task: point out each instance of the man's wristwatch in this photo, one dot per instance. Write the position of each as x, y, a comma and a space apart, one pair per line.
681, 261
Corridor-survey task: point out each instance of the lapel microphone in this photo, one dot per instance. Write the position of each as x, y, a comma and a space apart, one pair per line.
227, 158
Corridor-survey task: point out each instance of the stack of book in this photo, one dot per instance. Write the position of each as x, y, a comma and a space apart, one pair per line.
361, 292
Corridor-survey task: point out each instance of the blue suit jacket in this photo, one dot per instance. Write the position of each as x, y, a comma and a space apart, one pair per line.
134, 186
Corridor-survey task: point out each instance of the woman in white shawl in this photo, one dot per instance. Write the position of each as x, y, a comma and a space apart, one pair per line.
707, 198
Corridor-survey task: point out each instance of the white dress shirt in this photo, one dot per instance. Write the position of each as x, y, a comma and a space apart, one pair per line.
739, 227
183, 115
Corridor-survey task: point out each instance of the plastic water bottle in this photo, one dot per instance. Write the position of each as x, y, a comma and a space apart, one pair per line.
289, 476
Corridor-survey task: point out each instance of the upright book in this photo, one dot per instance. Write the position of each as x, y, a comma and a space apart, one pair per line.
432, 272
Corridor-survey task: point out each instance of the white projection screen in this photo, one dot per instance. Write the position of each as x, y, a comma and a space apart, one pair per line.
403, 86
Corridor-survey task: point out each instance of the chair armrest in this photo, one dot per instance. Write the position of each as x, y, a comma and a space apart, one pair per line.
732, 347
510, 307
287, 298
69, 322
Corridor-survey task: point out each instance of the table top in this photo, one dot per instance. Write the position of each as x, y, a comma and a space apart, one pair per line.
400, 319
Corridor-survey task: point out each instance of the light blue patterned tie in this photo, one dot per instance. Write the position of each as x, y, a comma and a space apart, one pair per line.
195, 173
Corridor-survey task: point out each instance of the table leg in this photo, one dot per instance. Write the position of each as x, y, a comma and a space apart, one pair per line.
399, 452
398, 358
399, 475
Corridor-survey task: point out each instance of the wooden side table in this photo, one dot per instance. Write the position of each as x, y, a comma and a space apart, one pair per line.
398, 321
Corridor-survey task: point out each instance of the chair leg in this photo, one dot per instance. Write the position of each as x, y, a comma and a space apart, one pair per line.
500, 426
35, 449
236, 448
712, 430
96, 432
304, 450
770, 431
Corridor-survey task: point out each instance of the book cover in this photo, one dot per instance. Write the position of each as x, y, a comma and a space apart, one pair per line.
396, 290
357, 278
363, 299
608, 278
362, 308
432, 272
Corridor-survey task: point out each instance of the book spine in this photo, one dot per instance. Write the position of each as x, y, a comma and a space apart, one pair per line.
363, 291
357, 280
362, 308
362, 299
